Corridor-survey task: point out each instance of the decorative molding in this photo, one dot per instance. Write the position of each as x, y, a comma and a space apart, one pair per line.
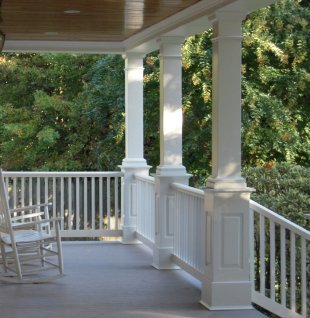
65, 46
157, 214
133, 201
170, 216
232, 236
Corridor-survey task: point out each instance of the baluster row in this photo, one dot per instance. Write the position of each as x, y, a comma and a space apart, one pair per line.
279, 262
84, 203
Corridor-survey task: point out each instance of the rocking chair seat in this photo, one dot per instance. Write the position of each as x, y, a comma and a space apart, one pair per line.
25, 236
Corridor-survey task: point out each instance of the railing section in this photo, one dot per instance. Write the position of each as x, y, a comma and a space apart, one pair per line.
145, 205
189, 230
280, 260
88, 202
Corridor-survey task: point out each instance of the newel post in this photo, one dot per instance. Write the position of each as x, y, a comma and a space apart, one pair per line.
170, 168
227, 284
133, 162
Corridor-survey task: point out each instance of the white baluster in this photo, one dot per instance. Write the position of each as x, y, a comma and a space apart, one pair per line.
272, 260
283, 267
109, 202
85, 203
262, 253
293, 270
70, 220
77, 203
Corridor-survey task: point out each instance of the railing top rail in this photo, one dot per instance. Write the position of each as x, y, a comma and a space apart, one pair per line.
64, 174
280, 220
188, 190
144, 178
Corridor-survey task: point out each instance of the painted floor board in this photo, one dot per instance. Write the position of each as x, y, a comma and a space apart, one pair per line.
110, 280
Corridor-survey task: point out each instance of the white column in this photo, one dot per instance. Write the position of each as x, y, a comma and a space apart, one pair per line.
227, 283
226, 101
134, 109
133, 162
171, 119
171, 168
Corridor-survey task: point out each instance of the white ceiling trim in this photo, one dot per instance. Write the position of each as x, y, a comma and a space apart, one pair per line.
95, 47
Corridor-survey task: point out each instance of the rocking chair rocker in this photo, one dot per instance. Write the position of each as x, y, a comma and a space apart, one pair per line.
28, 247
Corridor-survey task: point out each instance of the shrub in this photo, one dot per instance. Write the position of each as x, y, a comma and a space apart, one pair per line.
283, 188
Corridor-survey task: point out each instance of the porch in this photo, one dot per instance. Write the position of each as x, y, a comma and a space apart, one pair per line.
208, 233
92, 205
111, 280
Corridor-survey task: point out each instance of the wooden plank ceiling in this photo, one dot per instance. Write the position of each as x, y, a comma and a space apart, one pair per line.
83, 20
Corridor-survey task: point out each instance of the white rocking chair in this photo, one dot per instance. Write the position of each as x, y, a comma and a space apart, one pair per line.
27, 245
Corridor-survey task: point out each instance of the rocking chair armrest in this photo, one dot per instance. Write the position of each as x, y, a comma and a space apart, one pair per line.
29, 207
30, 216
33, 223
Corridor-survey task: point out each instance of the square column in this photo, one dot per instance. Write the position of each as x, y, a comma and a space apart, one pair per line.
227, 282
170, 169
171, 117
133, 162
134, 109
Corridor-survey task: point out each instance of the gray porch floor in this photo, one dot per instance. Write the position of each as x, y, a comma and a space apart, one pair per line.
110, 280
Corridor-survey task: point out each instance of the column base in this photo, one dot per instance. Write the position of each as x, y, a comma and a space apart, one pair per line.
172, 171
129, 235
226, 295
226, 183
134, 163
162, 258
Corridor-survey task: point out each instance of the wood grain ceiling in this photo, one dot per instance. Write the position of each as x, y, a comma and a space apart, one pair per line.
91, 20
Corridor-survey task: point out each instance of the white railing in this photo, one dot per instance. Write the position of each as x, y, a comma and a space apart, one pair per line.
189, 229
280, 260
145, 205
88, 202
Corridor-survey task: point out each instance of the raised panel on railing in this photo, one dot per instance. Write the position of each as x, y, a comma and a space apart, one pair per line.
232, 243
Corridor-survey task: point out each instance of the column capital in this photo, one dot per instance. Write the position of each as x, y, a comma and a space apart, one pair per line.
170, 46
227, 25
176, 40
227, 16
133, 61
133, 55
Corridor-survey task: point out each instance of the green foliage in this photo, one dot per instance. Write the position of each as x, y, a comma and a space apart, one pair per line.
44, 123
105, 98
151, 109
284, 188
37, 137
197, 106
21, 75
276, 84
